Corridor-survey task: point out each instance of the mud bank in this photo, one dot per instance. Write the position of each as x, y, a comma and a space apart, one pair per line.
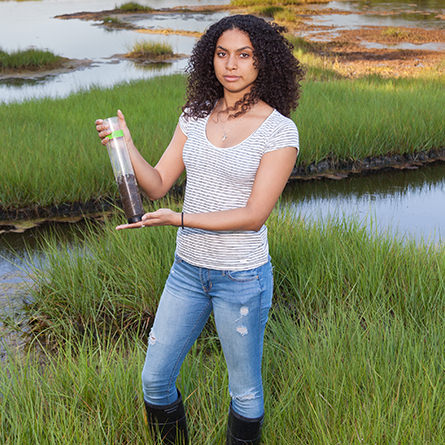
67, 65
100, 15
332, 168
355, 51
21, 219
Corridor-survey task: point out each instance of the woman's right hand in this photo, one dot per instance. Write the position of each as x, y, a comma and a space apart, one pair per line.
103, 130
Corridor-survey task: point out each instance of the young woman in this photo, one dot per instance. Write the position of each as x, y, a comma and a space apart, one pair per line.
238, 147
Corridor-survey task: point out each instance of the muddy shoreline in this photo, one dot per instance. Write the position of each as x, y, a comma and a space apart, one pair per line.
21, 219
67, 66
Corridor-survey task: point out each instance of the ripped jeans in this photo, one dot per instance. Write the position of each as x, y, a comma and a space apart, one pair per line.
240, 301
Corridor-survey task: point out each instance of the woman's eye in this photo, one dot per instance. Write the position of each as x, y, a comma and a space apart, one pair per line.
220, 53
244, 55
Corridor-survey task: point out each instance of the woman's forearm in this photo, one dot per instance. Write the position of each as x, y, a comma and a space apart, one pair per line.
237, 219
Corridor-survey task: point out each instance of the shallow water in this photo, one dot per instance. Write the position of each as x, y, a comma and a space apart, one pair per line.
355, 21
408, 203
32, 23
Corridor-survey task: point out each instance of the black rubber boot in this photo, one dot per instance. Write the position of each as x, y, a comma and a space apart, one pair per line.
168, 423
243, 431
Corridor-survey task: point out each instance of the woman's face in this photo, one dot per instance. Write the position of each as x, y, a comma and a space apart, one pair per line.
233, 61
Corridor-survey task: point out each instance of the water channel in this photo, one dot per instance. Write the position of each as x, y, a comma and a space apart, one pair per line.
408, 204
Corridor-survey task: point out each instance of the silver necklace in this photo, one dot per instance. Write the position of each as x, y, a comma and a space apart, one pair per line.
217, 120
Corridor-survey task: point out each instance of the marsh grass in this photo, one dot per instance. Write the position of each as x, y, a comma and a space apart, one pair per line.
266, 11
395, 33
353, 349
286, 16
113, 285
327, 381
151, 50
134, 7
113, 21
29, 59
51, 153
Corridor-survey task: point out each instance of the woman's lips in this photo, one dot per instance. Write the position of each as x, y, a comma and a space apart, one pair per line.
231, 78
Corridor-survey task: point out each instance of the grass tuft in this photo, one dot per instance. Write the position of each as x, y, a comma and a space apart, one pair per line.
151, 50
286, 16
31, 59
134, 7
113, 21
266, 11
395, 33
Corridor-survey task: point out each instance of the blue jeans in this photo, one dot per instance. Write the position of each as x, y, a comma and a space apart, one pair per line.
240, 301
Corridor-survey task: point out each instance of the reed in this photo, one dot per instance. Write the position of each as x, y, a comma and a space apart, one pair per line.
329, 381
134, 7
113, 283
151, 50
266, 11
396, 33
51, 153
29, 59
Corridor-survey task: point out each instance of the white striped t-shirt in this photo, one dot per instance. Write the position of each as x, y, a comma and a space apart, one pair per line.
222, 179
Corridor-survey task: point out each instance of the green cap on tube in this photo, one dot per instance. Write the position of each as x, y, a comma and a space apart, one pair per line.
116, 134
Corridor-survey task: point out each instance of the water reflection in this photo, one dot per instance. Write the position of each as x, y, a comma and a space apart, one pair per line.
25, 24
184, 22
356, 21
406, 202
431, 46
433, 6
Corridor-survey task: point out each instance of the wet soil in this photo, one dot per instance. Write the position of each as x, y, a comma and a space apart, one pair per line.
130, 197
348, 50
332, 168
21, 219
118, 13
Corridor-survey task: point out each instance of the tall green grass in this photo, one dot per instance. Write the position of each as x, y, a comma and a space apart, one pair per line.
134, 7
114, 282
31, 59
327, 382
151, 50
353, 350
331, 382
51, 153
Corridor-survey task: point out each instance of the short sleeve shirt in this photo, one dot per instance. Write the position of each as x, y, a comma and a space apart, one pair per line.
222, 179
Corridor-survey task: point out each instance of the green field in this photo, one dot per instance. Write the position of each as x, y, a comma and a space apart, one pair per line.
353, 350
51, 153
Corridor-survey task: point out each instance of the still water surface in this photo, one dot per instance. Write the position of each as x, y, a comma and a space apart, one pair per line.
32, 24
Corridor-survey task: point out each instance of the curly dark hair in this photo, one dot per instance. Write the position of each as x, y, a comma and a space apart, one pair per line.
279, 72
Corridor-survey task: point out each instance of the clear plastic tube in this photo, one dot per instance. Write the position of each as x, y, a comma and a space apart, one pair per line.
123, 172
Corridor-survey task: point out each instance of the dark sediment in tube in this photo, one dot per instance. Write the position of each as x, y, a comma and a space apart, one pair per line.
130, 197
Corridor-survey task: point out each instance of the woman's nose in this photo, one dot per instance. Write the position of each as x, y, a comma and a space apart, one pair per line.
231, 62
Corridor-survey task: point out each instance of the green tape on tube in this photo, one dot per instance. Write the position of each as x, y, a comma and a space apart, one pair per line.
116, 134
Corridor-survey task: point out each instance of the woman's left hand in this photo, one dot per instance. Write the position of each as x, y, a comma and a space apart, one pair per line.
162, 217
